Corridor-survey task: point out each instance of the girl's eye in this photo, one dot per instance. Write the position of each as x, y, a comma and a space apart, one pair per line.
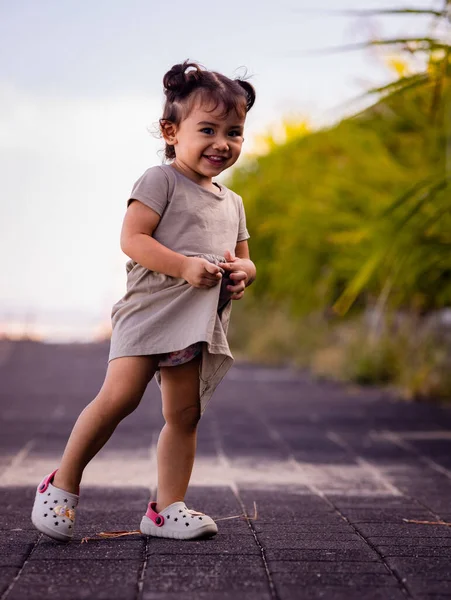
209, 130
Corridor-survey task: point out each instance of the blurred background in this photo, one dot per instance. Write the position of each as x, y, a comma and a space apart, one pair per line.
344, 174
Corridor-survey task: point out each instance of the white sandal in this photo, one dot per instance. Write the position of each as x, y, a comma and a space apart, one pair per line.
54, 510
178, 522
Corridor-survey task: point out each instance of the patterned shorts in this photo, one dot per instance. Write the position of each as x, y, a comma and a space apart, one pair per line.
179, 357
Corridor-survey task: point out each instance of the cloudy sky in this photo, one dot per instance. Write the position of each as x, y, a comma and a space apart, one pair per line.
80, 92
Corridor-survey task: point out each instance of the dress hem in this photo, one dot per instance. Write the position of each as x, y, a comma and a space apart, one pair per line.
134, 352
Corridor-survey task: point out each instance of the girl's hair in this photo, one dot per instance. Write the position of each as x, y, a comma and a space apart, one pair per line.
183, 88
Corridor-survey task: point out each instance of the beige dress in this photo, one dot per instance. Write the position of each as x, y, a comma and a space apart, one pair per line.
159, 313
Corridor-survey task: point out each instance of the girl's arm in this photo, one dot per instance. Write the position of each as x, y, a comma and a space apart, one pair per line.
137, 242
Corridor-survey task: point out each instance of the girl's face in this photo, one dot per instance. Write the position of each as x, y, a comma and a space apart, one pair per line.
206, 143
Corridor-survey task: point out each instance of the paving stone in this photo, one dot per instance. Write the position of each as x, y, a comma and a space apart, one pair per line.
210, 595
385, 516
15, 546
7, 575
403, 530
295, 541
314, 579
77, 580
305, 530
407, 542
414, 551
288, 591
90, 523
218, 501
112, 509
423, 586
285, 505
221, 543
301, 521
102, 549
231, 526
200, 561
312, 555
187, 579
16, 503
373, 502
350, 567
221, 573
430, 568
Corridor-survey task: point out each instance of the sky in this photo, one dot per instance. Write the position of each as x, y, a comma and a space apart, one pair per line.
80, 95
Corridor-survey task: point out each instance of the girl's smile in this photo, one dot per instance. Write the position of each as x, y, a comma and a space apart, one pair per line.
215, 160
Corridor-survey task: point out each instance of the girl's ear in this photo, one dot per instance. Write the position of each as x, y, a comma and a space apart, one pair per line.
168, 130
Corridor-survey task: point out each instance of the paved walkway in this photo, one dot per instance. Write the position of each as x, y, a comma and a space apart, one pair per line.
334, 473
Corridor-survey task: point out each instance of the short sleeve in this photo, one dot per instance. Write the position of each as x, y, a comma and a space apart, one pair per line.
243, 233
152, 189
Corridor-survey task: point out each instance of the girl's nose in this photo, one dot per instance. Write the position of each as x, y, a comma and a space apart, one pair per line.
221, 145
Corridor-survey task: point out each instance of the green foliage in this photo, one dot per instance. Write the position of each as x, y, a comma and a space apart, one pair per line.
329, 212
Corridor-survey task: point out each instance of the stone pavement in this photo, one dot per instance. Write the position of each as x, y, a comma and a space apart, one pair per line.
334, 472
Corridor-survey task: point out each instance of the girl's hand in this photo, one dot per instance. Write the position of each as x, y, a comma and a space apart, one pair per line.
238, 278
200, 273
238, 265
235, 275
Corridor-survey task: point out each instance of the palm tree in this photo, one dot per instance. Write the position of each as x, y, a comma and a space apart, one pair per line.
411, 238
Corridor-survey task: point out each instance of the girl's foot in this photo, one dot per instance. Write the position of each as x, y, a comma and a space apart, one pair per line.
178, 522
54, 510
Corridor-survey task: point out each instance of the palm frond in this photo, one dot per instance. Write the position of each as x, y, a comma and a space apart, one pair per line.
393, 229
375, 12
411, 83
427, 43
394, 11
402, 83
356, 285
431, 184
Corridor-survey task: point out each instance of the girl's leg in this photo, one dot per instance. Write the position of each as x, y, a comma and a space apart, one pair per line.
177, 442
125, 383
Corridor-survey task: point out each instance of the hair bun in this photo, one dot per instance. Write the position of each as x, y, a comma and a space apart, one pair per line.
249, 91
177, 82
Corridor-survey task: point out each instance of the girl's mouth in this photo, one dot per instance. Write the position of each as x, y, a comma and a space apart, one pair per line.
215, 160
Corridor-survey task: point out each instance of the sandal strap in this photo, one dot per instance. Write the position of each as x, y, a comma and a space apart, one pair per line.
42, 487
157, 518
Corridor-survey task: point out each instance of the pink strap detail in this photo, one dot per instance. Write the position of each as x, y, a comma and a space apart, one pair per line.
151, 513
45, 482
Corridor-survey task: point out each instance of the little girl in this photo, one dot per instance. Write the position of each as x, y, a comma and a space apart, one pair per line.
186, 239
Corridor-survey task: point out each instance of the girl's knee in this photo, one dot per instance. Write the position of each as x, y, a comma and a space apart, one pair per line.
187, 417
116, 404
